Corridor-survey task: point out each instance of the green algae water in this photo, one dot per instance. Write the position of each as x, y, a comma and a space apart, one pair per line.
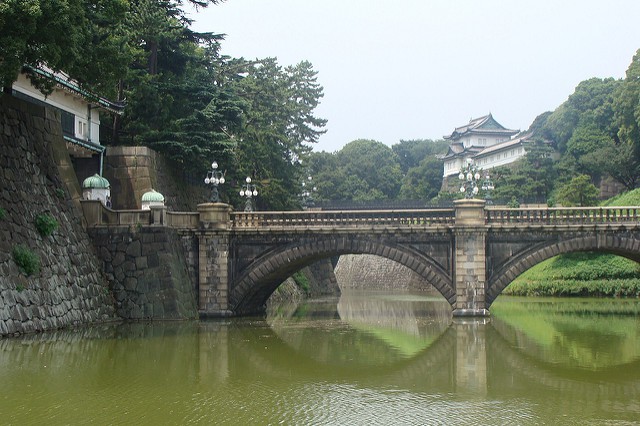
365, 359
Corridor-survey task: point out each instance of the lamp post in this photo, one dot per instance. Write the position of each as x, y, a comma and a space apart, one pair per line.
469, 176
307, 194
487, 187
248, 190
214, 178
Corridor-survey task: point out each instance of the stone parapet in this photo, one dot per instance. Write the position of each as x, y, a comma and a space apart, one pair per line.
469, 212
215, 215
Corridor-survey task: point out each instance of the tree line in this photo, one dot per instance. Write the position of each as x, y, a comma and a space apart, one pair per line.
593, 135
183, 98
257, 117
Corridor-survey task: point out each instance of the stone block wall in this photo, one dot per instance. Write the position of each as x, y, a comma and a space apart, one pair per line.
370, 272
322, 279
36, 177
147, 271
134, 170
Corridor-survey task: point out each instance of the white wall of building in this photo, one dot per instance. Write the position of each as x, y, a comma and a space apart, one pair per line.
487, 161
86, 128
500, 158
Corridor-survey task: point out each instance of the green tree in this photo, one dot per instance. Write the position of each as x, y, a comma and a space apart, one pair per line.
424, 181
590, 104
372, 168
533, 177
80, 37
411, 152
579, 191
627, 104
327, 176
586, 140
278, 126
627, 117
618, 160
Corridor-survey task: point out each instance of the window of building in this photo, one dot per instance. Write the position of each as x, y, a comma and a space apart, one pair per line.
68, 123
81, 129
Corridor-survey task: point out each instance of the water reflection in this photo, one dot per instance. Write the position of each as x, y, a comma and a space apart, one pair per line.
591, 334
377, 329
371, 359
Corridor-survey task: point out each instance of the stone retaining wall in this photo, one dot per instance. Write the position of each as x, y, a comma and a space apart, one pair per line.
147, 272
134, 170
369, 272
36, 177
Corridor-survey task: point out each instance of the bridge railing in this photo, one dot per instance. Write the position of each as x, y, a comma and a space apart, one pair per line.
352, 218
563, 215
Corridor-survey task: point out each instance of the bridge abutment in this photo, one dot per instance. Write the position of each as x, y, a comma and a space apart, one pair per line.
469, 259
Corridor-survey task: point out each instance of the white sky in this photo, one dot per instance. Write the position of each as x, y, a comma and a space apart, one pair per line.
416, 69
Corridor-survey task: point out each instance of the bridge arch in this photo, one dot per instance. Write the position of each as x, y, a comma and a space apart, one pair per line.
250, 291
619, 245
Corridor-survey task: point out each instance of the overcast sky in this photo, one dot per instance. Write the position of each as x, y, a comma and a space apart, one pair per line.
415, 69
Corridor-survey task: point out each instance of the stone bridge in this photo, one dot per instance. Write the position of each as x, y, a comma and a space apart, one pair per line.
469, 253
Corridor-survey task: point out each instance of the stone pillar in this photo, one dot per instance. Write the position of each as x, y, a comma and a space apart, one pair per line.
158, 215
92, 210
213, 259
470, 259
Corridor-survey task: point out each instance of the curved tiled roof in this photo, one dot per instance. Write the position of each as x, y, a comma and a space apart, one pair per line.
95, 181
72, 86
152, 196
486, 124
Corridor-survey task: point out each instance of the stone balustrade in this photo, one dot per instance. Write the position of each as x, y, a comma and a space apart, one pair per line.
349, 219
563, 215
220, 214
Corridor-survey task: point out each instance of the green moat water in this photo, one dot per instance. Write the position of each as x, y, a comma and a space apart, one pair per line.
367, 359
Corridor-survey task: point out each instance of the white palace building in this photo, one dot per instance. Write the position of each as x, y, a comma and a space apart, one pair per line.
486, 142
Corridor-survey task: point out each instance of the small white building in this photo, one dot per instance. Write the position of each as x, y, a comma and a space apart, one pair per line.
79, 110
97, 188
486, 142
152, 198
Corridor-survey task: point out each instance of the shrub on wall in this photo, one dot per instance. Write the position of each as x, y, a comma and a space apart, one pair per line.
27, 261
3, 213
301, 281
46, 224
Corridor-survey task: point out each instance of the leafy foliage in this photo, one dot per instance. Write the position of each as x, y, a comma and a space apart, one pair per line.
422, 182
630, 198
591, 104
580, 274
256, 118
26, 260
46, 224
577, 192
78, 36
301, 281
277, 127
411, 152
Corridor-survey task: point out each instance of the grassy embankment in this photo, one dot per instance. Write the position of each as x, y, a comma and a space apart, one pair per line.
583, 274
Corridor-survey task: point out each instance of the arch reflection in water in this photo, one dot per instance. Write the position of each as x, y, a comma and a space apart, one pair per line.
381, 327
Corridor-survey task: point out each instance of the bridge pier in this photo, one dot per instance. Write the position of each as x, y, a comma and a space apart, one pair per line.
469, 259
213, 259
